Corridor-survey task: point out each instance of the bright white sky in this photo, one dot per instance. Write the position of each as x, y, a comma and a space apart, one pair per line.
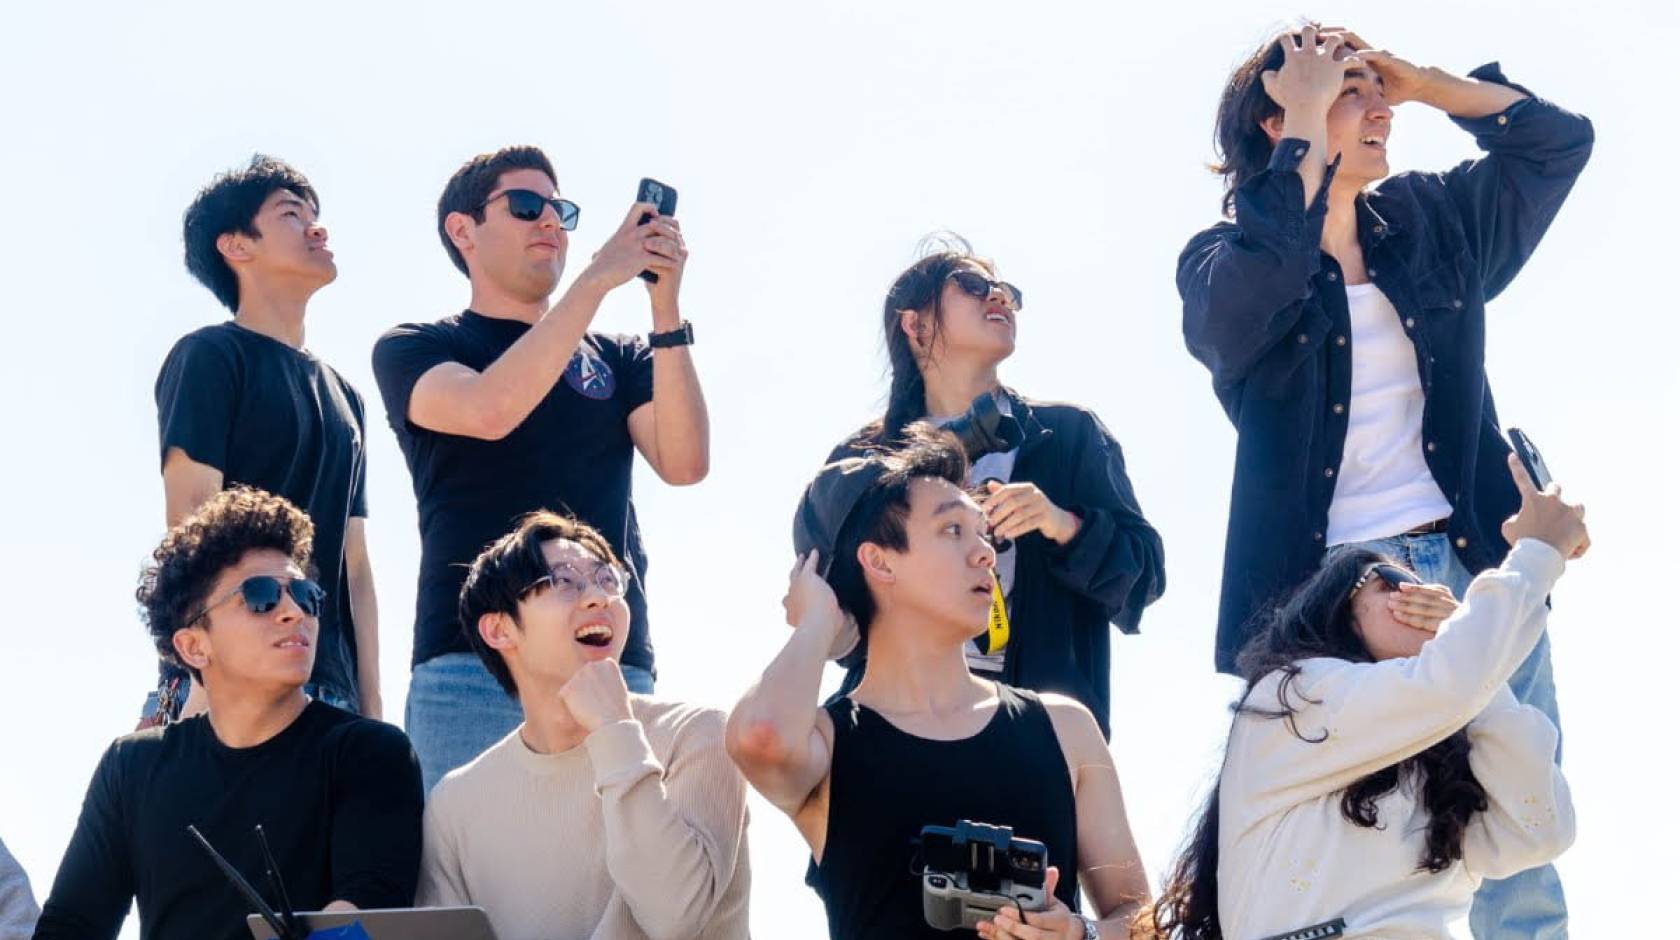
813, 144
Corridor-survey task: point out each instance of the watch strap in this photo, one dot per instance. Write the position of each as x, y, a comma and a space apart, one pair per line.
681, 336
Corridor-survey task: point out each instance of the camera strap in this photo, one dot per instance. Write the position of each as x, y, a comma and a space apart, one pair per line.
997, 622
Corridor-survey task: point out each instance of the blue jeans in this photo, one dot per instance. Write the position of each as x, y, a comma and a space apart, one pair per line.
455, 711
1528, 905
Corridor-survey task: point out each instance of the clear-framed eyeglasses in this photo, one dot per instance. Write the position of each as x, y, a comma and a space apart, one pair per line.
571, 580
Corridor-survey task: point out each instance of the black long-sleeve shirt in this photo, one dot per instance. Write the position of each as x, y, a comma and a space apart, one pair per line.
338, 797
1265, 310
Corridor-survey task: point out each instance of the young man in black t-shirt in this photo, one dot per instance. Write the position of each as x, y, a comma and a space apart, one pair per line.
893, 542
514, 406
242, 402
227, 597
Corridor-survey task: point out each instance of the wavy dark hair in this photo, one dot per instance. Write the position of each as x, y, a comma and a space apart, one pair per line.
918, 288
1317, 621
1240, 142
229, 203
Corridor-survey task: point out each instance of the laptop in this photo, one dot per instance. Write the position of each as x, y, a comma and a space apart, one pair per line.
435, 923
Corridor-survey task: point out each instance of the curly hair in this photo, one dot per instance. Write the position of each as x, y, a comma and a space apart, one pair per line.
507, 572
185, 566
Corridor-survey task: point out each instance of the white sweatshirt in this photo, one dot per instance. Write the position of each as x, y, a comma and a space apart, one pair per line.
1289, 859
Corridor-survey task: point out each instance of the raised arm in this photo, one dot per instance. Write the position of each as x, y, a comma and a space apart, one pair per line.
673, 834
778, 734
451, 398
1356, 718
1535, 150
672, 432
1241, 281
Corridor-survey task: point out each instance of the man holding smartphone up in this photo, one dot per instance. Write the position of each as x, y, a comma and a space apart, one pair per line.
513, 406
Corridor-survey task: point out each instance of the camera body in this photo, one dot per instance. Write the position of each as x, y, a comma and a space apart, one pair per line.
985, 429
973, 870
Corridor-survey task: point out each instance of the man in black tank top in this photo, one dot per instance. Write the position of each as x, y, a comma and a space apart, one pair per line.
893, 542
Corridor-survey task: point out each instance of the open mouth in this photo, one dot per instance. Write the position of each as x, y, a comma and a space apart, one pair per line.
1373, 140
999, 315
594, 634
292, 643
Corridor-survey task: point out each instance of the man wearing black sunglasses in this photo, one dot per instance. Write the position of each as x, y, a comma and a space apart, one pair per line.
243, 402
514, 405
228, 598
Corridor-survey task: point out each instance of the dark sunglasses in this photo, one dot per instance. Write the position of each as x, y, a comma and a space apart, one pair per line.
527, 206
1392, 575
978, 285
262, 594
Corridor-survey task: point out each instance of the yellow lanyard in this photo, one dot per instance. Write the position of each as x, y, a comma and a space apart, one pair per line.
997, 623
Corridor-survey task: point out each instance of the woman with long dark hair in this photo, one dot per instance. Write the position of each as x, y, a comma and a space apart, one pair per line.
1379, 767
1075, 552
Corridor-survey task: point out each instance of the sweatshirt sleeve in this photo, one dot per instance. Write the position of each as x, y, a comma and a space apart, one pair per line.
1352, 719
672, 834
1530, 818
17, 901
442, 883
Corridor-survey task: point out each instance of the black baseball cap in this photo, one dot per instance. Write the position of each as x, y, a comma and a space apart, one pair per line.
829, 501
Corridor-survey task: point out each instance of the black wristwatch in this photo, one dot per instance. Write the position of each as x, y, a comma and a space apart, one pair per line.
681, 336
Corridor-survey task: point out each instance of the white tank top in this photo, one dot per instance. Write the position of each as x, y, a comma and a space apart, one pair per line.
1384, 487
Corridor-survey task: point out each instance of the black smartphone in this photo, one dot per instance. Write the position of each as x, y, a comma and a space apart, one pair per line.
1530, 457
661, 195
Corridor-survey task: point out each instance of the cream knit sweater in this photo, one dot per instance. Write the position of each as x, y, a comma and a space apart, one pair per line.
638, 833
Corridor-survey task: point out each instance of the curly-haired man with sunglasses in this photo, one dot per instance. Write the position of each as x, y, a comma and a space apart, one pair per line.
228, 597
605, 813
513, 405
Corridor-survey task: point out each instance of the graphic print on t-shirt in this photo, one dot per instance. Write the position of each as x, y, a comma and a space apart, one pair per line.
590, 376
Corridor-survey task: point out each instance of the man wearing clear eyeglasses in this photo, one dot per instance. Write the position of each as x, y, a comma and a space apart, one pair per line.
605, 813
515, 405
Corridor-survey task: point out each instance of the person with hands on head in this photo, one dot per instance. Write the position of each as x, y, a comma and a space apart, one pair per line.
1075, 553
229, 597
893, 543
515, 405
1340, 311
1379, 767
640, 792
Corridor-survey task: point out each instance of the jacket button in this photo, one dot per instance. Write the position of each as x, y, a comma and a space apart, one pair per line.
1458, 304
1502, 120
1341, 341
1430, 447
1372, 274
1337, 408
1410, 323
1318, 536
1376, 229
1302, 151
1461, 542
1329, 471
1331, 275
1302, 339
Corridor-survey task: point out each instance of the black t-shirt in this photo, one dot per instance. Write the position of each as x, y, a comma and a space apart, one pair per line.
572, 454
279, 419
338, 797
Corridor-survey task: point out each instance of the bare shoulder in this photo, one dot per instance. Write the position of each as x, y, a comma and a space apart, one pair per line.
1076, 728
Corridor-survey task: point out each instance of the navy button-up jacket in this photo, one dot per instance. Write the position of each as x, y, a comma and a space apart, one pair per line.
1265, 311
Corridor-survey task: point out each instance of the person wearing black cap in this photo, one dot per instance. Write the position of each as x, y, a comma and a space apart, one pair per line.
894, 543
1075, 553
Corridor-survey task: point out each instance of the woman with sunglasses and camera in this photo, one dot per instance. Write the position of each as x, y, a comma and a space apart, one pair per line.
1379, 766
1075, 553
